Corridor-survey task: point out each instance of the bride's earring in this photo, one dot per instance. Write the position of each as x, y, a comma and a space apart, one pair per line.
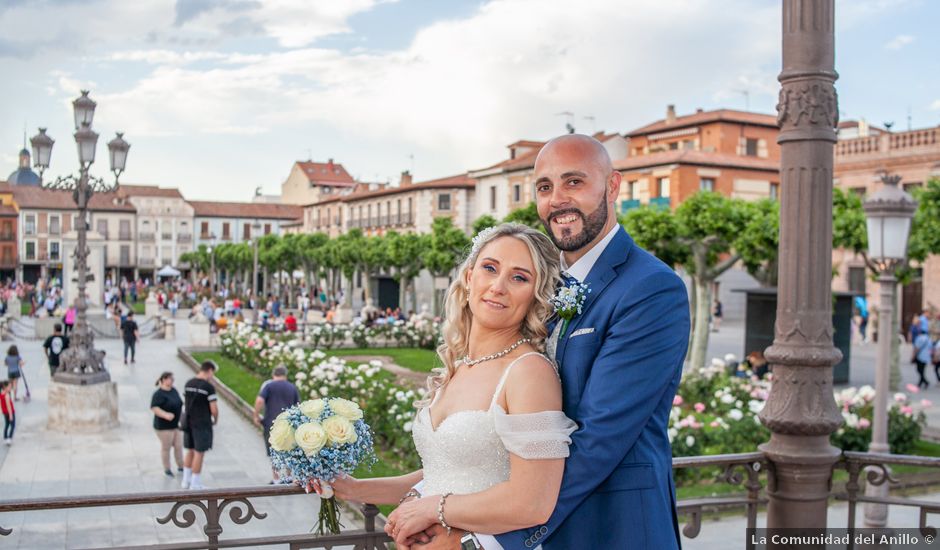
468, 294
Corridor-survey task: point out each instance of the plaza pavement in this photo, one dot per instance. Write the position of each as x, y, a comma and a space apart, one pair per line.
41, 463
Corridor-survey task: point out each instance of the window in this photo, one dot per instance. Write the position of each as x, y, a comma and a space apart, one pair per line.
750, 147
674, 145
492, 199
860, 191
226, 230
55, 229
30, 250
54, 251
8, 229
125, 254
516, 193
30, 228
774, 191
909, 187
204, 230
631, 189
102, 228
443, 200
857, 280
688, 144
125, 230
246, 231
267, 229
662, 185
398, 207
706, 184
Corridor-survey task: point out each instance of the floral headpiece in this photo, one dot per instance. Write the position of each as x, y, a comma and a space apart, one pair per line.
480, 239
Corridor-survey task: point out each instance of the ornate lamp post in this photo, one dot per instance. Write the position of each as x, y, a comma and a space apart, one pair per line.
801, 411
889, 213
256, 230
81, 363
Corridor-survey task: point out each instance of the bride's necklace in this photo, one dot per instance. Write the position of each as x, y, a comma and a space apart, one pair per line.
471, 362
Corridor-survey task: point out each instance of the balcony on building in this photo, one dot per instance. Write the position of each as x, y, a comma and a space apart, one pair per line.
6, 237
146, 262
184, 238
166, 236
146, 237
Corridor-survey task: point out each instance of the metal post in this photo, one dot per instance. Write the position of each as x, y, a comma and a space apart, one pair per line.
876, 515
801, 411
212, 272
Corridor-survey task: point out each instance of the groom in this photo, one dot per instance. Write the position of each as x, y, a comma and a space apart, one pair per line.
620, 362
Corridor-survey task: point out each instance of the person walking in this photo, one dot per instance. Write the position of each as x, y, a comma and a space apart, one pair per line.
8, 410
922, 355
131, 335
276, 394
14, 369
201, 413
717, 314
53, 347
167, 406
69, 319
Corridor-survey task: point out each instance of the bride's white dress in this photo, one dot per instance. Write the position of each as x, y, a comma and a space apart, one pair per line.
469, 450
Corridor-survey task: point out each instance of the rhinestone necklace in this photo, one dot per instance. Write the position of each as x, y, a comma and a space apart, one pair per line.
471, 362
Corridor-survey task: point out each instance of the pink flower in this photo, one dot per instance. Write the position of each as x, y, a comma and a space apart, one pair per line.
697, 425
912, 388
676, 401
863, 423
714, 424
926, 403
907, 410
699, 407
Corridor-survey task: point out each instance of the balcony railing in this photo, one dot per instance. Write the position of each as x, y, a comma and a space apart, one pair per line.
125, 237
184, 238
146, 237
750, 471
7, 237
166, 236
213, 506
104, 234
146, 262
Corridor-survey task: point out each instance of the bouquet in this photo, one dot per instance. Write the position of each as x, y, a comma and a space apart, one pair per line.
321, 439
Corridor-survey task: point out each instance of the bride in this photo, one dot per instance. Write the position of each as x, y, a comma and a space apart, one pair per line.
491, 434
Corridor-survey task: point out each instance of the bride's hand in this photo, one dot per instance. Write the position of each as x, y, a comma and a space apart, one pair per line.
346, 488
412, 518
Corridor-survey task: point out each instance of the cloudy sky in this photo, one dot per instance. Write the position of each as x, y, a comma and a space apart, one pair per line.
218, 97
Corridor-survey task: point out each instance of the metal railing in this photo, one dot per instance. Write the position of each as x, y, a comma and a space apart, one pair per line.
146, 237
184, 238
146, 262
211, 504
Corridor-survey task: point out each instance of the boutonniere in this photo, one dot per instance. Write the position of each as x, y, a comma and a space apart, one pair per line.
568, 301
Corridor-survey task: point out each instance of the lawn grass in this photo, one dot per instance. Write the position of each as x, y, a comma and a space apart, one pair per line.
243, 382
139, 307
25, 306
416, 359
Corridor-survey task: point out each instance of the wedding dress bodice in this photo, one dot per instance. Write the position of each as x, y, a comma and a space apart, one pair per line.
469, 450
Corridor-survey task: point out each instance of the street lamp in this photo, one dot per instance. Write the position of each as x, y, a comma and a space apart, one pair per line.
81, 363
256, 230
889, 213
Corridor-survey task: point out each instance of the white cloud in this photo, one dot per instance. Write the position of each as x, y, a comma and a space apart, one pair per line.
899, 42
935, 106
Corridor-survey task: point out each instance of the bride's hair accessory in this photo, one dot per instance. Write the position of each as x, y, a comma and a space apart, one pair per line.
568, 301
480, 239
440, 512
470, 362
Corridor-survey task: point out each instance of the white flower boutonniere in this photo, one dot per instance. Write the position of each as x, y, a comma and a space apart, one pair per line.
568, 301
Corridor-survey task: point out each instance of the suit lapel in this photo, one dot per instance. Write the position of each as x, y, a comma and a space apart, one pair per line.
601, 274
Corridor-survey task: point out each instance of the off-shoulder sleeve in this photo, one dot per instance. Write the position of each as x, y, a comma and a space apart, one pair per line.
540, 435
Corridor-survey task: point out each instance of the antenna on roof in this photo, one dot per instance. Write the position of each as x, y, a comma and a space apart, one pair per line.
908, 118
747, 99
569, 124
309, 156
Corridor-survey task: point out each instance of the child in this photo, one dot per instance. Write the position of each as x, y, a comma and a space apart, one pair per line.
6, 406
14, 364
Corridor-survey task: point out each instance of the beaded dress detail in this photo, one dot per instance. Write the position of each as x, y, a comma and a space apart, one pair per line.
469, 451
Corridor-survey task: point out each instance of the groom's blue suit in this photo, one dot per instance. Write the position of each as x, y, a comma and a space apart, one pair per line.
618, 384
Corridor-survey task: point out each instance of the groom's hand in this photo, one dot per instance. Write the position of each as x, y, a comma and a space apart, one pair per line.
440, 540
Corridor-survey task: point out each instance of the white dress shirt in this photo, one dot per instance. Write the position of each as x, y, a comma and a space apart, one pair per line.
579, 271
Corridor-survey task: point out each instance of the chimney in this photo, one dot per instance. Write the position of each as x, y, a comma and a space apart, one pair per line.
329, 164
670, 114
405, 178
698, 110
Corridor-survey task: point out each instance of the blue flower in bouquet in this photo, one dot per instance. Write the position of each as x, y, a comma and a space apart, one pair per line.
321, 439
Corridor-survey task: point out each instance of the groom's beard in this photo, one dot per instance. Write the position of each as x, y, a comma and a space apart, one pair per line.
592, 226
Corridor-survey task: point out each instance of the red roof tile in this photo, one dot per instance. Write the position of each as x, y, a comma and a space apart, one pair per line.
720, 115
699, 158
38, 198
326, 173
460, 181
149, 191
259, 210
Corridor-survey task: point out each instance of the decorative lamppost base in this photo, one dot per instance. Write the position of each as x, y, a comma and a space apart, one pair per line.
81, 408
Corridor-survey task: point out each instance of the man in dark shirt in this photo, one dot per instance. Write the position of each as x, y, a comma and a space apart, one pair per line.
201, 412
131, 334
276, 395
53, 346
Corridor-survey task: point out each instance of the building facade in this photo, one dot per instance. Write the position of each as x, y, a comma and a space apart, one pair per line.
164, 226
310, 182
233, 222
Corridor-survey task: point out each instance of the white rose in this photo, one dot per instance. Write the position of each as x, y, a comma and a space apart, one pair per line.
689, 441
346, 408
339, 430
311, 437
735, 414
282, 435
312, 408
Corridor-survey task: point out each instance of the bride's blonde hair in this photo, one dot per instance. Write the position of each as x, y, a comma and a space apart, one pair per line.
458, 318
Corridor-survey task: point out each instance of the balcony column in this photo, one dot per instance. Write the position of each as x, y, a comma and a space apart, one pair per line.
801, 411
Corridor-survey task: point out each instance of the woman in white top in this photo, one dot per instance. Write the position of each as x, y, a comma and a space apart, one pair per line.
491, 434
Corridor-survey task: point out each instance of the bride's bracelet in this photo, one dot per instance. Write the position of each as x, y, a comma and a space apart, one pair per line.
440, 512
409, 494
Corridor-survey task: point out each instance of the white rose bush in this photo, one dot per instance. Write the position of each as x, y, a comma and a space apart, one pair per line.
321, 439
